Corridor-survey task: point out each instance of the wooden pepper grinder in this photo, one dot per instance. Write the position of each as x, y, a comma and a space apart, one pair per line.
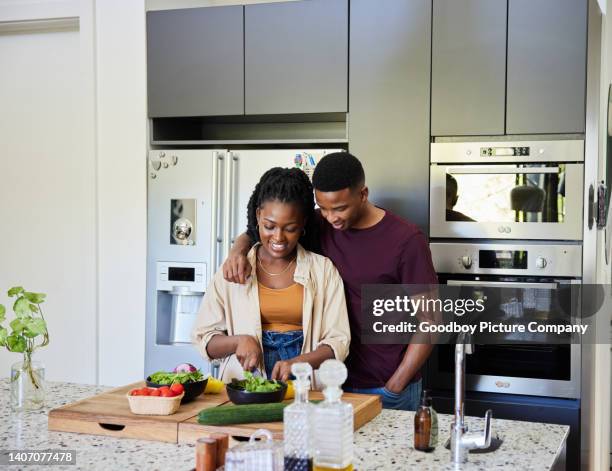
206, 454
222, 440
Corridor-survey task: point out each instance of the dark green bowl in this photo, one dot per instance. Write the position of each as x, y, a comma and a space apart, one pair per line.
238, 395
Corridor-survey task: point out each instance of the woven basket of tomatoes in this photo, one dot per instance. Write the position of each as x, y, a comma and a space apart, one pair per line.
156, 401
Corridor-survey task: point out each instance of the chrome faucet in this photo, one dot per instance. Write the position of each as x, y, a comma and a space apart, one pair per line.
461, 441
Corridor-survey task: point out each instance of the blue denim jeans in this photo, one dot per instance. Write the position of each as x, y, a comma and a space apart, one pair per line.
408, 399
280, 346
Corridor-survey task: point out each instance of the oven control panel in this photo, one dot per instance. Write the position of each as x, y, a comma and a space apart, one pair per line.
465, 152
498, 259
505, 151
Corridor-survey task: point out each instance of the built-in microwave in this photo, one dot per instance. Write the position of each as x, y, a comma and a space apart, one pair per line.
507, 190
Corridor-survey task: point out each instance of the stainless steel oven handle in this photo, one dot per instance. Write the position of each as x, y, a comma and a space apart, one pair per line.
502, 284
494, 170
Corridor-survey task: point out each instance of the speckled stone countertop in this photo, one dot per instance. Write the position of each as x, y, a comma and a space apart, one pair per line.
385, 443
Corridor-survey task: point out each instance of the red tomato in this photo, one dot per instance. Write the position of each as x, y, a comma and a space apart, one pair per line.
135, 392
167, 393
164, 388
144, 391
155, 392
177, 388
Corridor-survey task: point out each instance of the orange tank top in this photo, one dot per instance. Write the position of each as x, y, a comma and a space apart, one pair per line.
281, 309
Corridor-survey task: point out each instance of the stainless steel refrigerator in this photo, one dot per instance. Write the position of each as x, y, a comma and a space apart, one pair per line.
197, 203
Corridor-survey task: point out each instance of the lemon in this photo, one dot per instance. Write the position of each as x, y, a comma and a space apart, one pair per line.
290, 394
214, 386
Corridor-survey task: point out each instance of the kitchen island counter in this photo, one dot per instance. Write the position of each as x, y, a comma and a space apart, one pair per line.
384, 443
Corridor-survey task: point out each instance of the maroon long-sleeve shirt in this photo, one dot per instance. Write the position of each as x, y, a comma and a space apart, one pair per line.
392, 251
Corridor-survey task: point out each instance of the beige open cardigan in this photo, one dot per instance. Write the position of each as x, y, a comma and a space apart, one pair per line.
233, 309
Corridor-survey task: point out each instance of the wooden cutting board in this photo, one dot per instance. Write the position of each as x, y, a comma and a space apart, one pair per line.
365, 408
109, 414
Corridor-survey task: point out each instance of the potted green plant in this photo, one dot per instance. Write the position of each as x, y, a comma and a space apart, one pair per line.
28, 333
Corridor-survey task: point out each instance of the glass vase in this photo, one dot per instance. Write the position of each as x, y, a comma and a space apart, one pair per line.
27, 385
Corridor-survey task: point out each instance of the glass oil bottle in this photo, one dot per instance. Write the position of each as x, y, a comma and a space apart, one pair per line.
333, 422
425, 425
297, 422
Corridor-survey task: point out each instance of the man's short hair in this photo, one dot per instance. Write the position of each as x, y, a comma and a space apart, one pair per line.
338, 171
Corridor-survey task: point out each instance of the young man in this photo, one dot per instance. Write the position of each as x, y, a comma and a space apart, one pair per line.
368, 245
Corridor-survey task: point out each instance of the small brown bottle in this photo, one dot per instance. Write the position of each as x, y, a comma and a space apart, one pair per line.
425, 425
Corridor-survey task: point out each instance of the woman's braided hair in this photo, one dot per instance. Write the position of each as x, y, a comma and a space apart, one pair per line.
287, 185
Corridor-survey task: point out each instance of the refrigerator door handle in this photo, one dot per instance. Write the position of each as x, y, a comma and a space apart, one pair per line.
234, 161
217, 226
227, 206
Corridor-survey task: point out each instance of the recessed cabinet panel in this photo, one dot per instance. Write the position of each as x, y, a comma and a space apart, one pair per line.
389, 96
195, 62
468, 67
296, 57
546, 66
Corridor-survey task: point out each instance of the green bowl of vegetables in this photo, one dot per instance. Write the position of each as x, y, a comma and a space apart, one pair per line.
255, 390
189, 376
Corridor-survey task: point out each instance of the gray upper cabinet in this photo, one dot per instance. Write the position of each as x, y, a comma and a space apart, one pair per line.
195, 62
468, 67
546, 66
296, 57
389, 96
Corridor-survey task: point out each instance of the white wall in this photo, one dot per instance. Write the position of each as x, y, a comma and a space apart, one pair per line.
122, 187
73, 181
47, 216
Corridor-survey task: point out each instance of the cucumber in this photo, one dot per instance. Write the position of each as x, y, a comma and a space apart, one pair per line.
243, 414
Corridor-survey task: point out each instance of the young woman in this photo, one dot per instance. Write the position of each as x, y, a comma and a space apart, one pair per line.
293, 307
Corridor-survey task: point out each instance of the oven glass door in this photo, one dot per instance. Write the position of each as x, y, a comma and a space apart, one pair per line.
531, 201
545, 370
518, 361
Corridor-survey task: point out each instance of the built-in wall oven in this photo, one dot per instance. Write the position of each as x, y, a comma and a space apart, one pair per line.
507, 190
510, 214
529, 273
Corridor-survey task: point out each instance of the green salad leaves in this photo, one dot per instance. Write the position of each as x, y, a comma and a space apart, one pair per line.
256, 383
163, 377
